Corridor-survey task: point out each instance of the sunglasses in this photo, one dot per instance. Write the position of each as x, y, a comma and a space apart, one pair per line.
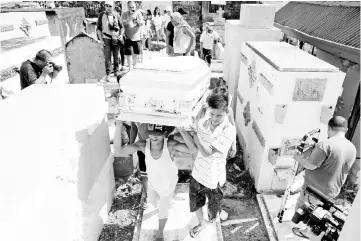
108, 6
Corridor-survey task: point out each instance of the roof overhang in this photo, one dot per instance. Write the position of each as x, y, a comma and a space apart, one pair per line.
340, 50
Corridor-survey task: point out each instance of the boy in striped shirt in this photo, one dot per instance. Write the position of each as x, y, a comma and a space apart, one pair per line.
213, 138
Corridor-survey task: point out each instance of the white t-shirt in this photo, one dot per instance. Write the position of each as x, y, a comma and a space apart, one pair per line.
208, 39
209, 171
157, 21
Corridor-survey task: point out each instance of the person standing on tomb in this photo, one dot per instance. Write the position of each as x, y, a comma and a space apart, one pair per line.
161, 169
38, 70
327, 165
208, 37
110, 32
184, 37
170, 33
213, 137
132, 21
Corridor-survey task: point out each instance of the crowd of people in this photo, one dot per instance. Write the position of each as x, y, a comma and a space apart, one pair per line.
125, 34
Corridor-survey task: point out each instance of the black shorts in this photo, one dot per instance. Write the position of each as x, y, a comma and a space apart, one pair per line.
207, 55
197, 198
132, 47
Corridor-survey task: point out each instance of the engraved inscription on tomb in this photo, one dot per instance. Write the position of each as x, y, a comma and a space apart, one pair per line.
309, 89
41, 22
7, 28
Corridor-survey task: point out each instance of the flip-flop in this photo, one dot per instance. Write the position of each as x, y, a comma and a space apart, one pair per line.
298, 232
193, 233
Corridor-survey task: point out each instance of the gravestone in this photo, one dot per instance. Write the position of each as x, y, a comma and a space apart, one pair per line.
85, 59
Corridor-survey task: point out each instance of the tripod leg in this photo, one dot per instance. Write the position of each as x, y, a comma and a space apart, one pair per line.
287, 191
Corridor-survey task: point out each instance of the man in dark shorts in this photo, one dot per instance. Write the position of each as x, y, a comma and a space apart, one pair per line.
132, 21
36, 71
170, 33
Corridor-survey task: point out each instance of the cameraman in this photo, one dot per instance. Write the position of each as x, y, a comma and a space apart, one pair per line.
328, 164
110, 32
36, 71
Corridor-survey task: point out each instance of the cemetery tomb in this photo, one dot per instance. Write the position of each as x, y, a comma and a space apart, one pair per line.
283, 93
237, 33
257, 16
57, 179
167, 91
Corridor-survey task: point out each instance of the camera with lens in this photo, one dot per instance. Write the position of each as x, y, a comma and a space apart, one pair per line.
319, 217
56, 67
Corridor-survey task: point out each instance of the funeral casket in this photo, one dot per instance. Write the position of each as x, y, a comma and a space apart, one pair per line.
166, 91
56, 175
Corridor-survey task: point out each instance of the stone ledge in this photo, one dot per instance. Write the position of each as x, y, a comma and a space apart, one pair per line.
266, 218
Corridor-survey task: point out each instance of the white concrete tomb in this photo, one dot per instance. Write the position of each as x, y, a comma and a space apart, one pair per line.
283, 92
56, 175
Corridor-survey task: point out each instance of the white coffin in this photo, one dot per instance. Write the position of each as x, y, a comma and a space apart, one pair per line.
236, 35
56, 175
289, 92
166, 91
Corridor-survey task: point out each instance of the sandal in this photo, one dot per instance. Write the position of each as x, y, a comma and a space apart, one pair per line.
196, 230
298, 232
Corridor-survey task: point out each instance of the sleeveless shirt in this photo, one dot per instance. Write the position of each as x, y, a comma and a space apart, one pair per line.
163, 172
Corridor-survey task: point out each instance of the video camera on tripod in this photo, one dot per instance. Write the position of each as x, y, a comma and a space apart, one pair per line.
308, 142
319, 217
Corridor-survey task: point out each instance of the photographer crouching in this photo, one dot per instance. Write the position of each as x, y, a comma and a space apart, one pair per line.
327, 166
40, 70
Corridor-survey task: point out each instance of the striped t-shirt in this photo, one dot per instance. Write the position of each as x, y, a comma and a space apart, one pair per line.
209, 171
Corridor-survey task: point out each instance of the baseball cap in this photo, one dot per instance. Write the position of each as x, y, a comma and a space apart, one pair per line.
156, 130
109, 3
169, 9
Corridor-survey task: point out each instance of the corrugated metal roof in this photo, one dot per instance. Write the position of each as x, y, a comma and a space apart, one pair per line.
338, 22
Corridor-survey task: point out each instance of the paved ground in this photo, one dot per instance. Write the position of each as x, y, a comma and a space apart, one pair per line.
180, 221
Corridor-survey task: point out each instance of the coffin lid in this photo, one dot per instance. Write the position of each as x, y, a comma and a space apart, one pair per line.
287, 58
179, 73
